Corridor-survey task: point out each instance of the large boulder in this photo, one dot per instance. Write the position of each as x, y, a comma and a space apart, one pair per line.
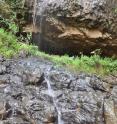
76, 26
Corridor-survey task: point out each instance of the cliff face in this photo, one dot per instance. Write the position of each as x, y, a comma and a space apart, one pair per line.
76, 26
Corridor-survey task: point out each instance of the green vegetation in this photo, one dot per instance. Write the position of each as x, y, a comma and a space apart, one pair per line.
93, 64
8, 25
9, 46
12, 14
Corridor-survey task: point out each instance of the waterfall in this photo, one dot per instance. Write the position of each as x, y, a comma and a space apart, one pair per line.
50, 90
34, 12
51, 93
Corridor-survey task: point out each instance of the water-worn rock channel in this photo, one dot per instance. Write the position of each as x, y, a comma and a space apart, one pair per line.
34, 91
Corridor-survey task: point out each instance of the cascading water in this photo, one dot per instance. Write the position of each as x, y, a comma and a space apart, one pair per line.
43, 5
34, 12
51, 94
40, 8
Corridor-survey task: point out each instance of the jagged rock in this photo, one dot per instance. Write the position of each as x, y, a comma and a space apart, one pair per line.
81, 98
34, 76
4, 79
76, 26
109, 112
1, 58
2, 69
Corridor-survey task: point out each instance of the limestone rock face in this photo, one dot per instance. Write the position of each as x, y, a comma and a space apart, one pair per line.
76, 26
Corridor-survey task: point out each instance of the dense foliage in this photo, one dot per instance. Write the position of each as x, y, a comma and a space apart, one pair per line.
9, 45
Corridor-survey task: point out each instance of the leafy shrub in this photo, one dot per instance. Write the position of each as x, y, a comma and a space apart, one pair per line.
8, 44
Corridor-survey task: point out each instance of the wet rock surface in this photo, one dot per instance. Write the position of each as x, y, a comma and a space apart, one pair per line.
76, 26
81, 98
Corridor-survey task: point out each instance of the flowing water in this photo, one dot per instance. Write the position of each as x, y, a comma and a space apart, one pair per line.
41, 8
51, 93
50, 90
34, 12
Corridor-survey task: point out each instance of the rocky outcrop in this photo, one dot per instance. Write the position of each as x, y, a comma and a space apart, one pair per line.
76, 26
25, 96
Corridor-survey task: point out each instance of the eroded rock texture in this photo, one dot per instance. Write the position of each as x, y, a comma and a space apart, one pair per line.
76, 26
24, 97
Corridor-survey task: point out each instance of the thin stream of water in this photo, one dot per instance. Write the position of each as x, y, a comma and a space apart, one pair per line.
34, 13
51, 93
